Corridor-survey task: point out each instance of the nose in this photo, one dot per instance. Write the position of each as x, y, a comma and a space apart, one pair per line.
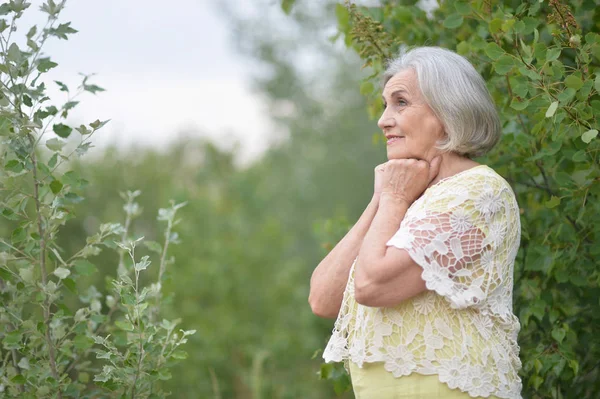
386, 121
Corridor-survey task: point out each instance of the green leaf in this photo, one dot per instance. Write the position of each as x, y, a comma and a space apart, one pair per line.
9, 214
366, 88
56, 186
142, 264
4, 101
62, 272
97, 124
286, 5
567, 95
553, 202
597, 83
530, 25
27, 274
588, 136
164, 374
553, 54
32, 31
558, 334
574, 365
92, 88
579, 156
463, 48
27, 100
52, 110
63, 87
551, 109
44, 65
62, 30
83, 130
124, 325
573, 82
73, 198
62, 130
453, 21
496, 25
14, 54
70, 105
494, 51
55, 144
504, 64
84, 267
70, 284
83, 342
463, 7
18, 235
179, 354
18, 379
519, 105
343, 17
5, 274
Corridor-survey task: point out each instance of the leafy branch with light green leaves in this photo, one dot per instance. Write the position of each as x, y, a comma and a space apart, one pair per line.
56, 329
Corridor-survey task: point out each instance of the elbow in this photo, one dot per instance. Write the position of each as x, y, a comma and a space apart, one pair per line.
321, 308
367, 287
365, 292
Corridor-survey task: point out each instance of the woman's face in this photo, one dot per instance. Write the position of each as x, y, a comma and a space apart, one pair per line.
410, 126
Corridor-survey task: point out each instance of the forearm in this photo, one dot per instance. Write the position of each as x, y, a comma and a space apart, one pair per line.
329, 279
371, 263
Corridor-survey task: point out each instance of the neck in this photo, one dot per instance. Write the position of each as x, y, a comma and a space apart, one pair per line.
452, 164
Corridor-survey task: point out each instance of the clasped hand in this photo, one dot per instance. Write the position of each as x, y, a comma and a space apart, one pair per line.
405, 179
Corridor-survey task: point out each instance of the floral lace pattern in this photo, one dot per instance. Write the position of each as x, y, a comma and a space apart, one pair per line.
464, 232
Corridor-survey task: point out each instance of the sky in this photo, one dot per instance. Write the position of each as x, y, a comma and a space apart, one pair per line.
169, 68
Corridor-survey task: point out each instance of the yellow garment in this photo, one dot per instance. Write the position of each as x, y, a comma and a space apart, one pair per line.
374, 382
464, 232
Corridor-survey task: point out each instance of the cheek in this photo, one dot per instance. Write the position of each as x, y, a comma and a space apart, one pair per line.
432, 129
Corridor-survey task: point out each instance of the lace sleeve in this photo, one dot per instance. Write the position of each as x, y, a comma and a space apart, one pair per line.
462, 242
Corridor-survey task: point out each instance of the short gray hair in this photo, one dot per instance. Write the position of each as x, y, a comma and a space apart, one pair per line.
458, 96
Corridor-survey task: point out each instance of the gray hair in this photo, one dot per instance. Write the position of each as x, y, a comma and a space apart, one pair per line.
458, 96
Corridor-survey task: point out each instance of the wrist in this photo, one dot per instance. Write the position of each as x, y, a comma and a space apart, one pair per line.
394, 199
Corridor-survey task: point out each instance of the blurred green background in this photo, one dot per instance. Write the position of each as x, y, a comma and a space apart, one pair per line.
252, 233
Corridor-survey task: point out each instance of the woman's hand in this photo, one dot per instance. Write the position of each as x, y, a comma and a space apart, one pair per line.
406, 179
378, 180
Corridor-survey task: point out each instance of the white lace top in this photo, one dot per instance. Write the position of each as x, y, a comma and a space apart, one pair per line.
464, 232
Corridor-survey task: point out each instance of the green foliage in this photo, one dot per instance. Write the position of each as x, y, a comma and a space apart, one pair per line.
541, 61
61, 336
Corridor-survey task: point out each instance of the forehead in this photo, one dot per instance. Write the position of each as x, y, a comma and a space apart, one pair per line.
405, 80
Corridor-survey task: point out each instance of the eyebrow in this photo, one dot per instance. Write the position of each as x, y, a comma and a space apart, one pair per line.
395, 93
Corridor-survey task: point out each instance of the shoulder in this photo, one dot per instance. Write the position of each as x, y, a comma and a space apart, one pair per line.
479, 191
480, 182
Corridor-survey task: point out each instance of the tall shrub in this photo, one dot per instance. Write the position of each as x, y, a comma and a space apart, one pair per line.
61, 337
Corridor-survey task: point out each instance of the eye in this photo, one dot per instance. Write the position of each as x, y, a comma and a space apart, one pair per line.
402, 102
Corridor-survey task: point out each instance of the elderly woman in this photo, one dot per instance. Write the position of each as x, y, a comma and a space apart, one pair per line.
422, 284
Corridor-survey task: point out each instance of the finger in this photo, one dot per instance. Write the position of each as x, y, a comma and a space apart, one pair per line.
434, 167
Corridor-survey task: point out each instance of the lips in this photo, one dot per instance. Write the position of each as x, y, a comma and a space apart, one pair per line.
393, 139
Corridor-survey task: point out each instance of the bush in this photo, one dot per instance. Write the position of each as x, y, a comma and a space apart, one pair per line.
61, 336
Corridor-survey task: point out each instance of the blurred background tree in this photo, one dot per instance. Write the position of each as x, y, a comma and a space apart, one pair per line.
253, 233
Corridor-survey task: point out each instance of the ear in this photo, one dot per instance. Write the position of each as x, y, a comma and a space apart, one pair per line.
434, 167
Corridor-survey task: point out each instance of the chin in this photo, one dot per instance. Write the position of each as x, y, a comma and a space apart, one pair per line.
395, 154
